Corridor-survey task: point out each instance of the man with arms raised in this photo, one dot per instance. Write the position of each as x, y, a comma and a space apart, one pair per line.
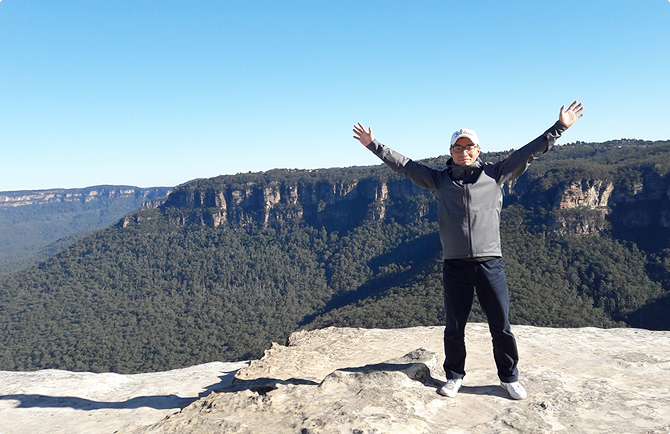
469, 193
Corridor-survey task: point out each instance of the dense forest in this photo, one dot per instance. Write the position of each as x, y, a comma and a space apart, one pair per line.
229, 264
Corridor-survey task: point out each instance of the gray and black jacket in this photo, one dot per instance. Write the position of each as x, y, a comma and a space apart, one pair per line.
469, 197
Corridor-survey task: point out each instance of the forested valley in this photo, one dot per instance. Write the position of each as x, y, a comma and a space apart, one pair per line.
230, 264
34, 225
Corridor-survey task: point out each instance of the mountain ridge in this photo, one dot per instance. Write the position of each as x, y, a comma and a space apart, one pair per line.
17, 198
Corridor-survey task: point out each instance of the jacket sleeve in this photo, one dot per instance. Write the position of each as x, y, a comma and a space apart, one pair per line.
517, 163
422, 176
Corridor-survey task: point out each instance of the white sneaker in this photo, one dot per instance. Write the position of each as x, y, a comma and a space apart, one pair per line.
451, 387
515, 390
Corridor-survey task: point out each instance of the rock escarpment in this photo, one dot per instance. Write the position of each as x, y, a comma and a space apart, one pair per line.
267, 198
153, 197
587, 200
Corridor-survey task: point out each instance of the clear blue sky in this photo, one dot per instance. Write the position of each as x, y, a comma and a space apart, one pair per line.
156, 93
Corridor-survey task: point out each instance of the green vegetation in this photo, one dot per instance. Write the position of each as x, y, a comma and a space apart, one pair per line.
154, 293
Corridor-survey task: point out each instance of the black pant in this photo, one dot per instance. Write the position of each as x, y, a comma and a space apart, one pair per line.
461, 278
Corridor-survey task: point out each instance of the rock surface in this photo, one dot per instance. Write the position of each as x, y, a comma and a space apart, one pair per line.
340, 380
62, 402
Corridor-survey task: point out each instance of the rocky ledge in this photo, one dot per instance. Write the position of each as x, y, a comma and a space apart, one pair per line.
340, 380
385, 381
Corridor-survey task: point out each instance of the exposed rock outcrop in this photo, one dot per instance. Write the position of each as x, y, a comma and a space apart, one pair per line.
343, 380
62, 402
336, 196
594, 194
262, 202
385, 381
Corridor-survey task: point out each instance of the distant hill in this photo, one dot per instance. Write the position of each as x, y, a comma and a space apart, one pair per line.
229, 264
35, 224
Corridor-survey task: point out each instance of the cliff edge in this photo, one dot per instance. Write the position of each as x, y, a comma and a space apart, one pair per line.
343, 380
385, 381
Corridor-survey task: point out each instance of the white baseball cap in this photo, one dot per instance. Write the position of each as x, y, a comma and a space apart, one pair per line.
465, 132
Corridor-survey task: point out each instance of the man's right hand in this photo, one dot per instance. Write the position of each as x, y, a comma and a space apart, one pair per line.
365, 137
570, 116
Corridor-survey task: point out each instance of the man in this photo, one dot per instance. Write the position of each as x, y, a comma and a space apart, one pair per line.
470, 195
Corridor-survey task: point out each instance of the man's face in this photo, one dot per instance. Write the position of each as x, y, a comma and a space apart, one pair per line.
464, 152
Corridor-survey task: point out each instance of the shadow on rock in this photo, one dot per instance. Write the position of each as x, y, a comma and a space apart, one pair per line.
416, 365
163, 402
492, 390
263, 385
158, 402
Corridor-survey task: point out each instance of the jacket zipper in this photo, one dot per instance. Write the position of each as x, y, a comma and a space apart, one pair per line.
467, 212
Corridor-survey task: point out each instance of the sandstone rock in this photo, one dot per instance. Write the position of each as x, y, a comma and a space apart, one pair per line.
587, 193
352, 381
342, 380
62, 402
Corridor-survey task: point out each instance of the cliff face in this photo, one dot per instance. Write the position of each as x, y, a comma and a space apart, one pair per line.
84, 195
589, 193
321, 201
586, 206
638, 205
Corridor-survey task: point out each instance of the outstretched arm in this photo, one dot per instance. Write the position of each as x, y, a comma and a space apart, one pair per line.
570, 116
421, 175
516, 163
365, 137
